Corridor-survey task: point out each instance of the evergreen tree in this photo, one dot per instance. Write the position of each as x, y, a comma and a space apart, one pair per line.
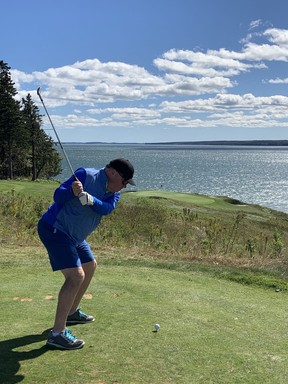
25, 149
31, 120
48, 160
45, 161
11, 133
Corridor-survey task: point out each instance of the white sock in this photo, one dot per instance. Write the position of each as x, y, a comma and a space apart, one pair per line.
54, 334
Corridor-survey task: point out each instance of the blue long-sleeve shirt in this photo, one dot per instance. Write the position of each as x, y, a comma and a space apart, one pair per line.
67, 213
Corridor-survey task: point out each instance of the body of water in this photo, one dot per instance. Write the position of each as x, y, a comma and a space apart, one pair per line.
257, 175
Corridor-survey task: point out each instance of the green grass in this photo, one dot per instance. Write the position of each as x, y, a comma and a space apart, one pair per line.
212, 330
180, 260
35, 188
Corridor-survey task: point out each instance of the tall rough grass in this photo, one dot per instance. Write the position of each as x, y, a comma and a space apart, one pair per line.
152, 227
19, 217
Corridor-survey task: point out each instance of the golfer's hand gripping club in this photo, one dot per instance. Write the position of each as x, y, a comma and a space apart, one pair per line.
77, 187
86, 199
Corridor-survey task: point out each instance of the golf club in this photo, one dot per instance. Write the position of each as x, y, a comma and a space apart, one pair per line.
63, 150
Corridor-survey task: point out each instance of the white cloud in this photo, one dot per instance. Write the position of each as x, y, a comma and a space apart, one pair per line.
189, 90
277, 36
278, 81
127, 113
227, 102
255, 23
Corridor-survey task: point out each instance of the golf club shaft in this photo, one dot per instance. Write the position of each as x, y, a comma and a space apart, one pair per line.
59, 141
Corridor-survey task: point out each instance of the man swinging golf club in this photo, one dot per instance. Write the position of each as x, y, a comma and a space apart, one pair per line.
79, 204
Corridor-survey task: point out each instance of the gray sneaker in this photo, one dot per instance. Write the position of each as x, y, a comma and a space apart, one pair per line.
79, 317
65, 340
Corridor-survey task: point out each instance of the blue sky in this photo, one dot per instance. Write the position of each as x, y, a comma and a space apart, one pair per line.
153, 70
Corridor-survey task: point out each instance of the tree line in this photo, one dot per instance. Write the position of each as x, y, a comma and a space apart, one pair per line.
25, 149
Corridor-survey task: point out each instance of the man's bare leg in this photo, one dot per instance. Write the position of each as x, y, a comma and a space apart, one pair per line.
74, 277
89, 270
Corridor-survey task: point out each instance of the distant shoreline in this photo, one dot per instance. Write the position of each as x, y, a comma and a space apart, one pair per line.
270, 143
258, 143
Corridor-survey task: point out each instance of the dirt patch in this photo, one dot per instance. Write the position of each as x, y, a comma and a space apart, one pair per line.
49, 297
22, 299
87, 296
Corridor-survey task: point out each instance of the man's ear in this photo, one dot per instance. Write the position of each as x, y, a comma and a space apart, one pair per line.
109, 171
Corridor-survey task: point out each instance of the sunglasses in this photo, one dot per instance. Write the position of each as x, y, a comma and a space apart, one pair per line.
124, 181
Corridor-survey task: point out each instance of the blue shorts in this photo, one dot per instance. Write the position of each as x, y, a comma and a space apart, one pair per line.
62, 251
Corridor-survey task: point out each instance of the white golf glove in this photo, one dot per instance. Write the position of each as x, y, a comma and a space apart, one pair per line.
85, 198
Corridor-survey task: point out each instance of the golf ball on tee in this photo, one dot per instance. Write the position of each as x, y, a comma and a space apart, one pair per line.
156, 326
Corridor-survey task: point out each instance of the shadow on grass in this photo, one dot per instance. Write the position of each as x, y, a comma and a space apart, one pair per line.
10, 359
